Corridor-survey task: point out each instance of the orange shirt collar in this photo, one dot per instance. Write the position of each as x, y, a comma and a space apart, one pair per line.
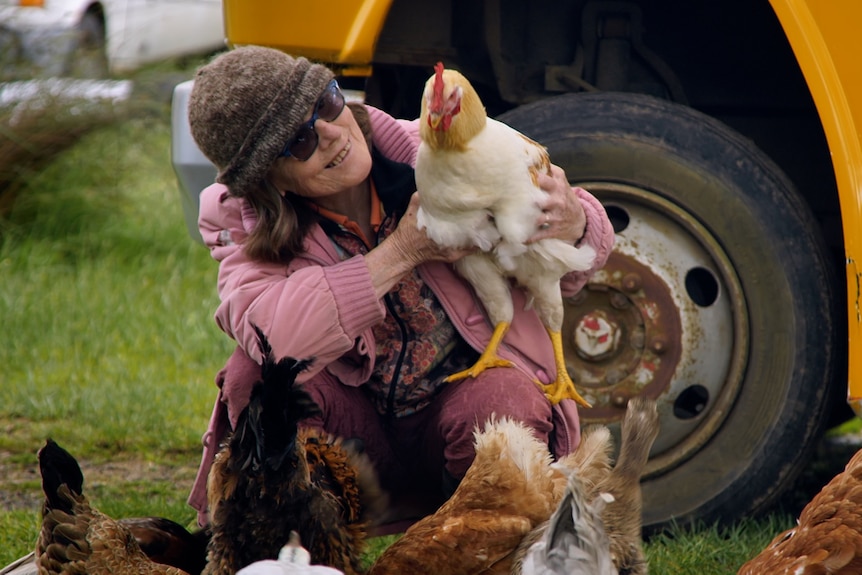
347, 223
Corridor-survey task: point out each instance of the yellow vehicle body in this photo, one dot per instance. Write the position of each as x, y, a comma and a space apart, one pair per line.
343, 32
827, 46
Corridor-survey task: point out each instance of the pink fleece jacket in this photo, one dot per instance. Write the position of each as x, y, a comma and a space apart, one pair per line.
319, 306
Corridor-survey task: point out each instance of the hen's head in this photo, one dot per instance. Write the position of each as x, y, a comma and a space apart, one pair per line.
448, 94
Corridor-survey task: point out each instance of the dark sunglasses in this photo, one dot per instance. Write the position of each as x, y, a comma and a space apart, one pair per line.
328, 107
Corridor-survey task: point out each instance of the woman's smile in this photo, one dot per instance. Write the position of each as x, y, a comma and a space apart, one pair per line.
340, 157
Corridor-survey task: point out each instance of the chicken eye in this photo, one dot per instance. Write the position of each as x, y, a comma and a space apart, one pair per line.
787, 535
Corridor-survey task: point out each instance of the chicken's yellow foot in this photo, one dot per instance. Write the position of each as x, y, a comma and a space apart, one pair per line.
563, 387
488, 358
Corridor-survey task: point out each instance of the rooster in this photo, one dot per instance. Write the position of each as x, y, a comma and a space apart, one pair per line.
828, 535
510, 488
477, 179
75, 537
272, 477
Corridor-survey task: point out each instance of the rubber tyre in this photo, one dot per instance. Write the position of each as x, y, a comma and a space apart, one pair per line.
788, 288
88, 57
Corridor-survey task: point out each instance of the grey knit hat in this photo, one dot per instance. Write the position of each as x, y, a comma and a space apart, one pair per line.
244, 107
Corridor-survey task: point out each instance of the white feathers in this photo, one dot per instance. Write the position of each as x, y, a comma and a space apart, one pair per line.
293, 559
508, 438
478, 186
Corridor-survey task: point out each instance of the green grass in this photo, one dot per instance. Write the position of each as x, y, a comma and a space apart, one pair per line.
109, 347
108, 343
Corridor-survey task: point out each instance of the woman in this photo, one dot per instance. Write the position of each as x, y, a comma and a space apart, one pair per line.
313, 223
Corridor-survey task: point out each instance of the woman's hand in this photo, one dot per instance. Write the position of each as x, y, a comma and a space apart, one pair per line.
562, 213
406, 248
415, 243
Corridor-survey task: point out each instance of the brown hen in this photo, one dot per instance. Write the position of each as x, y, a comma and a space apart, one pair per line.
75, 538
511, 487
273, 477
828, 536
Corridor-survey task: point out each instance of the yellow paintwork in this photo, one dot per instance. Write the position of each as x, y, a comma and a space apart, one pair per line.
824, 35
340, 33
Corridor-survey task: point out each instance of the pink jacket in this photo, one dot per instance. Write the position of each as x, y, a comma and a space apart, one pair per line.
320, 306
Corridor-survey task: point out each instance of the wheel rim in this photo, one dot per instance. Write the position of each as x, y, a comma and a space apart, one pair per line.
665, 317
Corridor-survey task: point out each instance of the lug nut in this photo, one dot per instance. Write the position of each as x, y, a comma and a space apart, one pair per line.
631, 282
658, 345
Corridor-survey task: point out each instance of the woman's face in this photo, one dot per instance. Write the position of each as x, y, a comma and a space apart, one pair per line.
342, 160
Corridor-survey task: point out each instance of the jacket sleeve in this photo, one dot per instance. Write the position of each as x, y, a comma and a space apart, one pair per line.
396, 139
599, 234
307, 309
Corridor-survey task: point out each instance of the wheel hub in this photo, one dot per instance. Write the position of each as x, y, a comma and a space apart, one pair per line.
660, 319
620, 330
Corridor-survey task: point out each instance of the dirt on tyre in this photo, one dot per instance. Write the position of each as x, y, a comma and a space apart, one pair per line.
719, 300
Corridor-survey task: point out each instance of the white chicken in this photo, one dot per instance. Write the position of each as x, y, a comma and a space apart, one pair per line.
478, 186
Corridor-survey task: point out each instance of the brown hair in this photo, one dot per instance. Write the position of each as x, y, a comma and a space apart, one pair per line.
283, 222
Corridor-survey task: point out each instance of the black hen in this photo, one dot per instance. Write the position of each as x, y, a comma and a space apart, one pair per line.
273, 477
168, 542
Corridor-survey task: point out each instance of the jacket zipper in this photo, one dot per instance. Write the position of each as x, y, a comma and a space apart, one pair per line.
390, 306
390, 399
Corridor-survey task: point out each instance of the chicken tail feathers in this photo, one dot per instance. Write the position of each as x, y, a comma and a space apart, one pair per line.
268, 427
58, 467
575, 541
639, 429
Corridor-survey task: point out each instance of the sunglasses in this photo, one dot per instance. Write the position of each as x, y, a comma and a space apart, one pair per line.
328, 107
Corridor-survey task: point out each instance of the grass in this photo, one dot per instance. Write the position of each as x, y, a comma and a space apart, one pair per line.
109, 347
108, 343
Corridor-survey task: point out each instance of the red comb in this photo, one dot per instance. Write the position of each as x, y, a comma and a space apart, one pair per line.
437, 101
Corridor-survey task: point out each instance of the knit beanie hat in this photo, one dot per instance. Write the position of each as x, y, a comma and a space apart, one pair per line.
244, 107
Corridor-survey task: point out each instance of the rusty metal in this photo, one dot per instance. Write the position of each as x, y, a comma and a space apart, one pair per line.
688, 355
638, 370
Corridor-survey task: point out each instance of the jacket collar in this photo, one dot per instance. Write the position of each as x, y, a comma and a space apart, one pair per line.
395, 182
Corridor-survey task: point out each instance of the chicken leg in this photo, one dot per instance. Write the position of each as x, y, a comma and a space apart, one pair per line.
489, 357
493, 291
548, 303
562, 387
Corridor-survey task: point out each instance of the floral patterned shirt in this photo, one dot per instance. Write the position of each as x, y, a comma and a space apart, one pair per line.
417, 344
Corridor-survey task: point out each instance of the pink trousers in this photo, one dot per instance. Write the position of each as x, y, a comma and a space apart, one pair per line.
410, 453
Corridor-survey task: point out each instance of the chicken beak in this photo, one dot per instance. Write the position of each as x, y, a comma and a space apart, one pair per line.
434, 120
